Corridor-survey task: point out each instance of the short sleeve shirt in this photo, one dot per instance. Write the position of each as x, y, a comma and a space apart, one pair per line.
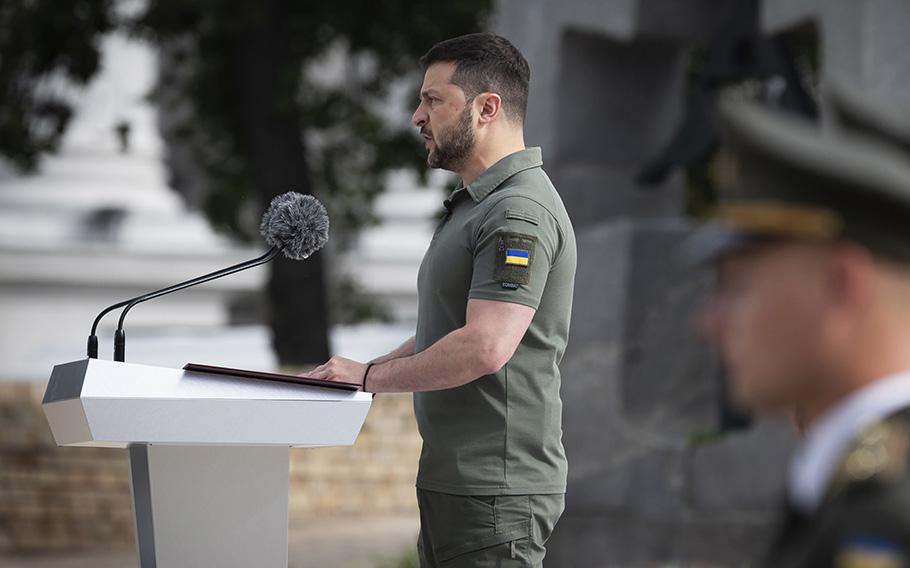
506, 237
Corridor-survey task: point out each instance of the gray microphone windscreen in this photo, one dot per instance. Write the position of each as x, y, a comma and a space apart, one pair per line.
297, 223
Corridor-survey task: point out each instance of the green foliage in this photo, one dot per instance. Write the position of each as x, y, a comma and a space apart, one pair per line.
44, 45
701, 439
350, 304
406, 560
350, 144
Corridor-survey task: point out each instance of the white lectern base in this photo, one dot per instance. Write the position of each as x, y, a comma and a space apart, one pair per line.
210, 505
209, 454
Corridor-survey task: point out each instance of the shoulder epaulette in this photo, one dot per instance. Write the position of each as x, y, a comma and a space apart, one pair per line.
879, 453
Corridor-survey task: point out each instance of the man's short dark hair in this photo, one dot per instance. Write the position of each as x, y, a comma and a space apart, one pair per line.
486, 63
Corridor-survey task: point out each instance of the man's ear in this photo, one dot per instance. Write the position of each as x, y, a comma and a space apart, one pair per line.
489, 106
853, 277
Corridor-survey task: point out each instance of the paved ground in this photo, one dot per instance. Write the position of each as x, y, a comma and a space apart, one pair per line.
339, 542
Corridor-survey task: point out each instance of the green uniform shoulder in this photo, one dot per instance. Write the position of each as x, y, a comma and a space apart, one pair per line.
868, 518
533, 188
878, 456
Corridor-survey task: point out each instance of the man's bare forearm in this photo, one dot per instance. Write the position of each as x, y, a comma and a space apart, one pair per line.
487, 341
406, 349
455, 360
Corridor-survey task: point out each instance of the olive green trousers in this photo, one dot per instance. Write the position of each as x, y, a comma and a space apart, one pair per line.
485, 531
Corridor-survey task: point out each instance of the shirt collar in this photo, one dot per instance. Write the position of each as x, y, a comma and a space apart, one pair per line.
817, 458
502, 170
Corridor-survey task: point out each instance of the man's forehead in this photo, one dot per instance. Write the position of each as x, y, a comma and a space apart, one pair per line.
739, 260
438, 76
780, 255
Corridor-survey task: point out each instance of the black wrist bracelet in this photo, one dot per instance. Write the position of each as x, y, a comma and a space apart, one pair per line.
367, 374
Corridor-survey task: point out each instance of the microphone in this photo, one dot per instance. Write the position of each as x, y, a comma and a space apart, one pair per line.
295, 224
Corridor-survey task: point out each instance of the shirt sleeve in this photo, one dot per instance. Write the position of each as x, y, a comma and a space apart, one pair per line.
515, 247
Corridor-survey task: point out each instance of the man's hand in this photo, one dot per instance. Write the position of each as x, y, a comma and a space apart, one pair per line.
339, 369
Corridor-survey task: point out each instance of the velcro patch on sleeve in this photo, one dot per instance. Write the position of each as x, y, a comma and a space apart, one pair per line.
519, 215
514, 256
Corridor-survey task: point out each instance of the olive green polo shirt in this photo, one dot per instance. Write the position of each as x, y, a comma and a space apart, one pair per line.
505, 237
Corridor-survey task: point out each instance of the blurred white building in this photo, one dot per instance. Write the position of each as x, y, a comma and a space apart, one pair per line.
97, 225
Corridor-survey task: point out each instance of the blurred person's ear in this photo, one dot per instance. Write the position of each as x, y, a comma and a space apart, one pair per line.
849, 285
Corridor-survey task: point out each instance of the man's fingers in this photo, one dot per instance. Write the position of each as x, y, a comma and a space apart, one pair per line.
335, 369
321, 368
323, 374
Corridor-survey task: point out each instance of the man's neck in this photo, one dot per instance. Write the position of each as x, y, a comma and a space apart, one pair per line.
486, 156
875, 371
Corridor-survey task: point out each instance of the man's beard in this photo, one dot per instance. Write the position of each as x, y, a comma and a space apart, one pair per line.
454, 149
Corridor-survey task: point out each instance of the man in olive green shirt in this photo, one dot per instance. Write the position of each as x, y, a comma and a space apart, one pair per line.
495, 295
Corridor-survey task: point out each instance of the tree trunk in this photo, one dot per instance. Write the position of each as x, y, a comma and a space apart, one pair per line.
266, 79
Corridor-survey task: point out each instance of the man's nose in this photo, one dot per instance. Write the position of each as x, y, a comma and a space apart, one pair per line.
419, 118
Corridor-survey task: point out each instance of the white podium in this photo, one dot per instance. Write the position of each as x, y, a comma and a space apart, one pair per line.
209, 454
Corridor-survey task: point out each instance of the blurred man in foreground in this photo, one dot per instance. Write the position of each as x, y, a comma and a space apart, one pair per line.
495, 295
812, 314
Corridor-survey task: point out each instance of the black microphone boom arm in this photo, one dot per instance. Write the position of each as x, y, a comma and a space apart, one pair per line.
120, 337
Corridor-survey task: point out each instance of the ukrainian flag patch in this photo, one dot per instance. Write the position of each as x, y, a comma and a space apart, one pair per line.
870, 552
514, 258
517, 257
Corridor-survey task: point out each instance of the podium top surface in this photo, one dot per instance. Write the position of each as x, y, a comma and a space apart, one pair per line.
100, 378
95, 402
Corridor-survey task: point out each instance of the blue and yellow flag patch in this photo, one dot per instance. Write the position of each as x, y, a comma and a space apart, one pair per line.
514, 257
870, 552
517, 257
